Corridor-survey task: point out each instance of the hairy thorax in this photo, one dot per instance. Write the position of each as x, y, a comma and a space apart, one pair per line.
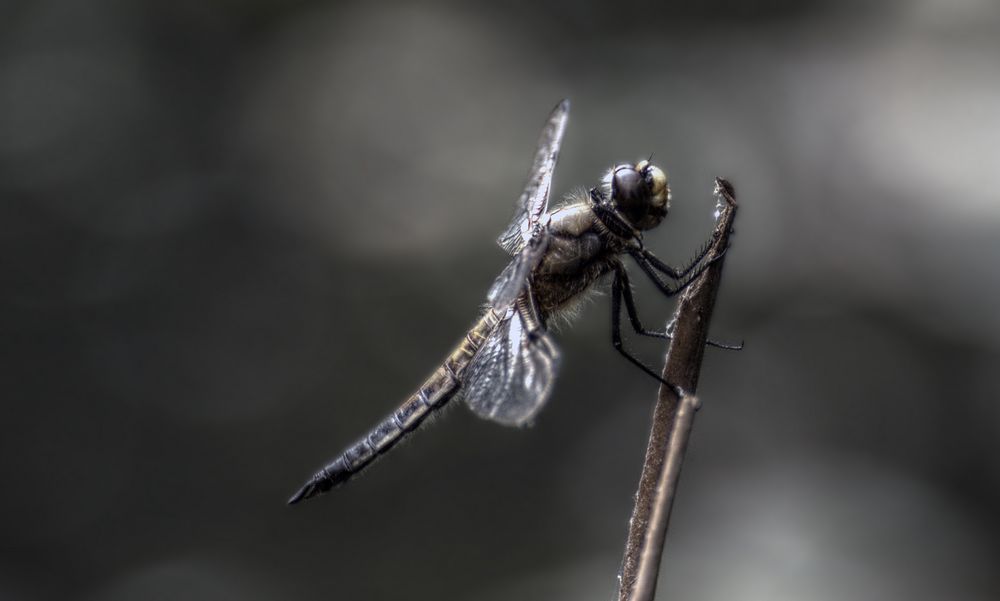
579, 252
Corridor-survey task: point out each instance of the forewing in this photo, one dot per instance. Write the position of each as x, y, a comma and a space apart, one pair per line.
512, 375
534, 201
511, 281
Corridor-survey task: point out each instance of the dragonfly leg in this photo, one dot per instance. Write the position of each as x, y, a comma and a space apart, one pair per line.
673, 272
651, 271
530, 314
625, 291
617, 292
633, 314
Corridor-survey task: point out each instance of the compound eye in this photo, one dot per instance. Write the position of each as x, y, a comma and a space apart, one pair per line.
656, 179
626, 185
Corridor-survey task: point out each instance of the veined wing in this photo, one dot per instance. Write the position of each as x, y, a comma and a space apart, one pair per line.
512, 374
534, 201
525, 238
512, 280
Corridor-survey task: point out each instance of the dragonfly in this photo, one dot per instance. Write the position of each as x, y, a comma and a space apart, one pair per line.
505, 366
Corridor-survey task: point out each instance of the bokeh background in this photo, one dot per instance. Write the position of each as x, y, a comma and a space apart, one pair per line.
236, 234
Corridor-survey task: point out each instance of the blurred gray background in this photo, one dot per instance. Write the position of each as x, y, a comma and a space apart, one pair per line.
236, 234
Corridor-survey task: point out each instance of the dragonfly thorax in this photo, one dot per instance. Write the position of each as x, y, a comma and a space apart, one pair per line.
640, 193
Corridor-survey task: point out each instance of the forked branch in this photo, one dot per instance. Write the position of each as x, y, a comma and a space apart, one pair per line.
673, 416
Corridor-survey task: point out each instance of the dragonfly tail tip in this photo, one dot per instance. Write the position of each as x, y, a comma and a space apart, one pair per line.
303, 493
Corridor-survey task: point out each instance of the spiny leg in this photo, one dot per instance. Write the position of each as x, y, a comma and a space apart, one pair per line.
665, 287
673, 272
633, 313
625, 291
650, 264
724, 346
617, 292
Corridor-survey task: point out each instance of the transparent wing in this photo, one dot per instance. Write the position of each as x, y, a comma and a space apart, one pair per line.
512, 375
512, 280
534, 201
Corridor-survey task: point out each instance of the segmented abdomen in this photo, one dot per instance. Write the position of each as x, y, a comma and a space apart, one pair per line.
435, 392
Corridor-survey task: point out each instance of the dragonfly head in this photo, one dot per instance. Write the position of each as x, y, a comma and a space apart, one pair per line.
640, 192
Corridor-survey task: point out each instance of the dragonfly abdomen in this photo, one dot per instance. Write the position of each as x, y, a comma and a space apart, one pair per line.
381, 438
435, 392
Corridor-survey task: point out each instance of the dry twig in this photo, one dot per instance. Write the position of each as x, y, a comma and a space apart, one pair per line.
673, 416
